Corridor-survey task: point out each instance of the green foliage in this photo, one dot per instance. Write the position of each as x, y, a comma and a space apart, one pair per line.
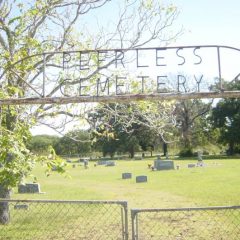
225, 118
57, 164
40, 143
186, 152
74, 142
16, 160
191, 117
117, 134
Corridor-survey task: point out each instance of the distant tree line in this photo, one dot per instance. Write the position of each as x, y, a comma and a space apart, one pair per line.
74, 142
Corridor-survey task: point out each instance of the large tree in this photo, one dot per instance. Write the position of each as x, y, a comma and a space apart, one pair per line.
133, 124
32, 27
225, 118
75, 142
190, 115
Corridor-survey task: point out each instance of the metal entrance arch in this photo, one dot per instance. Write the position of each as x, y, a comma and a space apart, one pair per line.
101, 75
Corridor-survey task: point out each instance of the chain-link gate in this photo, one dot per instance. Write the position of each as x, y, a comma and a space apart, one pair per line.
212, 223
108, 220
72, 220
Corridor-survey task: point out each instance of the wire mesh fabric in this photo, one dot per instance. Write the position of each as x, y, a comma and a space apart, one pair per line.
186, 224
58, 220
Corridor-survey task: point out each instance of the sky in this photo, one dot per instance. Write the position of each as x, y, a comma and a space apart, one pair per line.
205, 22
209, 22
212, 22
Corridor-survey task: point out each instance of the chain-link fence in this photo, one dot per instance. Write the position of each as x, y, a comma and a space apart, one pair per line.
215, 223
58, 220
108, 220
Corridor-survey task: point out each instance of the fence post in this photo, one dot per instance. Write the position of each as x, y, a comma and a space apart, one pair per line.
124, 218
134, 227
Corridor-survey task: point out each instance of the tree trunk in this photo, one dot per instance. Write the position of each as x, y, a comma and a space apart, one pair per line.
186, 137
231, 148
4, 206
132, 152
165, 149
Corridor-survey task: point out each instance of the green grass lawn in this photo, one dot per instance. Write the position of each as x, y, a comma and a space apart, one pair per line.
215, 184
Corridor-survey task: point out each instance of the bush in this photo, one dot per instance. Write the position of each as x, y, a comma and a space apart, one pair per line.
205, 152
186, 152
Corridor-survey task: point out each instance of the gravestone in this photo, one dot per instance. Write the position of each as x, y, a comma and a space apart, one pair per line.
82, 160
199, 155
33, 187
191, 165
29, 188
85, 163
138, 158
126, 175
69, 161
22, 188
200, 160
21, 206
105, 158
163, 165
140, 179
102, 162
110, 164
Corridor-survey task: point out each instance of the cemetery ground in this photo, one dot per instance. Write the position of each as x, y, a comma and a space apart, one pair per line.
215, 184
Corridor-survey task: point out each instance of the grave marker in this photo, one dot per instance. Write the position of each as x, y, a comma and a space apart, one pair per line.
102, 162
200, 160
29, 188
126, 175
140, 179
110, 164
163, 165
21, 206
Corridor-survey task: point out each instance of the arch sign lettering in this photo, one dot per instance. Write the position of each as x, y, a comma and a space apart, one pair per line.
164, 73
